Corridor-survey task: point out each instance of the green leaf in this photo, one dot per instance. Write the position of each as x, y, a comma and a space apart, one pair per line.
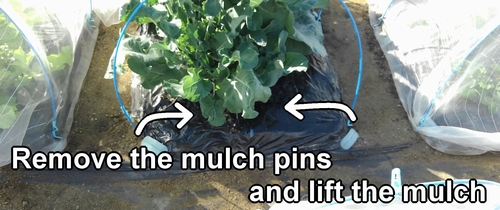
213, 110
174, 88
221, 41
192, 31
195, 87
237, 15
219, 74
225, 61
259, 38
241, 91
8, 114
8, 110
172, 28
281, 46
135, 44
8, 99
294, 45
150, 76
276, 16
212, 7
300, 5
249, 57
146, 14
309, 31
236, 22
21, 59
321, 4
151, 2
254, 22
236, 56
270, 73
61, 60
241, 9
171, 58
295, 62
11, 35
492, 108
290, 23
255, 3
131, 45
151, 66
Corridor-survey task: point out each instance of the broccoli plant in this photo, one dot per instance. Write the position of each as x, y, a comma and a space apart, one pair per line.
224, 54
483, 87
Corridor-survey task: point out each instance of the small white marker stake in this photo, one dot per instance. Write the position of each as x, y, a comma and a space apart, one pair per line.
293, 108
185, 115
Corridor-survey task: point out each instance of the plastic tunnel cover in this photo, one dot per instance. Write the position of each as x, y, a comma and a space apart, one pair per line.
445, 69
44, 59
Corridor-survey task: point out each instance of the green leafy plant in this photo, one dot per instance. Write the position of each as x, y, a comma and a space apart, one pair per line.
224, 54
483, 86
17, 64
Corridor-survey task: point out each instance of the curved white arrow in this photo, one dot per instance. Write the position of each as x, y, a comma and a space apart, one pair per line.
292, 107
185, 115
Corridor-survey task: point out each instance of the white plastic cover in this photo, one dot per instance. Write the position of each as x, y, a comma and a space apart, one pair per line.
45, 51
444, 56
108, 11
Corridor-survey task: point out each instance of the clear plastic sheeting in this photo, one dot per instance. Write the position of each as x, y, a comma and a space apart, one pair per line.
108, 11
45, 51
445, 66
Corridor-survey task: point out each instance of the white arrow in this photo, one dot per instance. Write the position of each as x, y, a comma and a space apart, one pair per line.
185, 115
292, 107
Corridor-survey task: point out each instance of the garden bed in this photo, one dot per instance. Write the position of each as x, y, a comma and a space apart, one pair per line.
236, 82
273, 130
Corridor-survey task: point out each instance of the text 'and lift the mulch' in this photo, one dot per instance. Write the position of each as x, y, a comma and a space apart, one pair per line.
319, 190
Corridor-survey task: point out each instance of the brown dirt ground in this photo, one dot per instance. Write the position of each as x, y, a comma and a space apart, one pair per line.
100, 126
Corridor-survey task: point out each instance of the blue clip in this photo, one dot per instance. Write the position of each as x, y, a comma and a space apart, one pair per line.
54, 130
91, 19
319, 15
381, 18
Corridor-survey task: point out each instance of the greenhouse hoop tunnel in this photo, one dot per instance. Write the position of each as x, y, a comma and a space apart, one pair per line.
43, 66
